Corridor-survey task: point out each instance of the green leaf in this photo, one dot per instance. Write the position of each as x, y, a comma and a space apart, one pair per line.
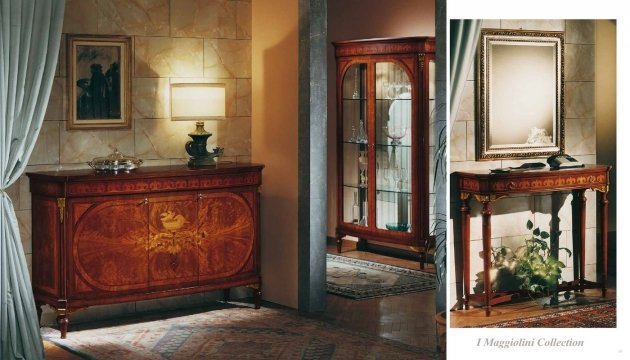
537, 231
544, 235
530, 224
567, 250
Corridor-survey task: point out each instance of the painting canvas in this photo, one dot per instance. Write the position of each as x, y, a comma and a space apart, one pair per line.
98, 82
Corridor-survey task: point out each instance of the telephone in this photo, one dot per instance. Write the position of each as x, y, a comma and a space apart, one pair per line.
563, 162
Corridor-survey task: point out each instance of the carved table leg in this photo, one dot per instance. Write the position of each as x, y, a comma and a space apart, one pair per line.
604, 240
465, 228
487, 251
226, 295
582, 239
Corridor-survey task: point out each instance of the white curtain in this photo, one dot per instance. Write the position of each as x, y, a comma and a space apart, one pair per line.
30, 32
464, 35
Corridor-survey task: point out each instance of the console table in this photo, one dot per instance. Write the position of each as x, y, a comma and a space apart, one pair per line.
488, 187
158, 231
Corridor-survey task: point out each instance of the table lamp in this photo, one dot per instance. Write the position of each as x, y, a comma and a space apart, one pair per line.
199, 102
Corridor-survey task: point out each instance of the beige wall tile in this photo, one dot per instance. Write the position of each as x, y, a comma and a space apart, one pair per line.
580, 32
133, 17
24, 222
187, 58
580, 136
471, 141
579, 62
204, 18
243, 20
509, 216
166, 57
458, 141
80, 17
491, 24
162, 138
244, 97
542, 25
466, 109
61, 61
57, 104
234, 134
46, 149
580, 100
151, 98
81, 146
227, 58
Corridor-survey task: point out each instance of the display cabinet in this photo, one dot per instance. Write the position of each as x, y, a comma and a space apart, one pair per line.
385, 99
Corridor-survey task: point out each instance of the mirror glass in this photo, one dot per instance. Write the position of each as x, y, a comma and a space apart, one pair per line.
520, 91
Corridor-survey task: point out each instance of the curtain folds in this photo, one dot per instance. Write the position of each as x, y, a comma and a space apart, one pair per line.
463, 46
30, 33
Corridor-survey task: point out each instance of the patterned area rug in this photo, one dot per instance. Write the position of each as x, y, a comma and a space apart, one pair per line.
360, 279
601, 315
233, 333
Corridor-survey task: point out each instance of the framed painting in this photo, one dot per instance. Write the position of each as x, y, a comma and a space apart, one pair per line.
99, 82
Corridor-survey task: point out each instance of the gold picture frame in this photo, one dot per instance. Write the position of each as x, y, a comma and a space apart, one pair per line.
99, 82
520, 94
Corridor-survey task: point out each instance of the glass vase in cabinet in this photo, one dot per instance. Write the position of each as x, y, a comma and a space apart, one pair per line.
385, 102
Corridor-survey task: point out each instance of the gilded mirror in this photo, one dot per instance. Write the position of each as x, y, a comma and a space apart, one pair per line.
520, 89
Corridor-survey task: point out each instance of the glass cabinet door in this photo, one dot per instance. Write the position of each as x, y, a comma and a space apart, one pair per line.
393, 152
355, 145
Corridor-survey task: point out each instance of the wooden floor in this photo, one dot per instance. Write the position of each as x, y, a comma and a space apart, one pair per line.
408, 318
475, 317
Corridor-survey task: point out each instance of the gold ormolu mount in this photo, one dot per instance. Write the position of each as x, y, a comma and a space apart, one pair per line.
199, 155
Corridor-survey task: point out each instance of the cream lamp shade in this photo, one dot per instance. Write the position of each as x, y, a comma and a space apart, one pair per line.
197, 101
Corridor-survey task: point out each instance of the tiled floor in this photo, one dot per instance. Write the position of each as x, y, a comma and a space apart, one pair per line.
408, 318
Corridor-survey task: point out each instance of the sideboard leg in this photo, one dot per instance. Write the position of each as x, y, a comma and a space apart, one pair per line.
38, 307
62, 320
226, 295
257, 297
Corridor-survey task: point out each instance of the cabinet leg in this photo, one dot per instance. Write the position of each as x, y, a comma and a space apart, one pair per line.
257, 297
338, 240
38, 307
62, 320
226, 295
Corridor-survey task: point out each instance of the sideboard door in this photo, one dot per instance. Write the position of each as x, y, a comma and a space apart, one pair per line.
173, 251
227, 234
108, 246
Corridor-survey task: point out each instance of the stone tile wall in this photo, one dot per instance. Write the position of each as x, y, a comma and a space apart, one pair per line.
510, 215
173, 41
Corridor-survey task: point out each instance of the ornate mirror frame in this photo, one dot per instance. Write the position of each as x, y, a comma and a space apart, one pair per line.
520, 94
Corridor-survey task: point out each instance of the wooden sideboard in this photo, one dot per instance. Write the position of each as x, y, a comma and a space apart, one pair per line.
154, 232
488, 187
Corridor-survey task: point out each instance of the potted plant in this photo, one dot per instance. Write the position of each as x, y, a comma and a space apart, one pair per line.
532, 267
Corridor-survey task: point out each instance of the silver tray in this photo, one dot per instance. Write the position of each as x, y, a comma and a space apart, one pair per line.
115, 162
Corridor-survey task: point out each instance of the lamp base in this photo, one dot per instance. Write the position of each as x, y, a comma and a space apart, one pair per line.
199, 155
204, 161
